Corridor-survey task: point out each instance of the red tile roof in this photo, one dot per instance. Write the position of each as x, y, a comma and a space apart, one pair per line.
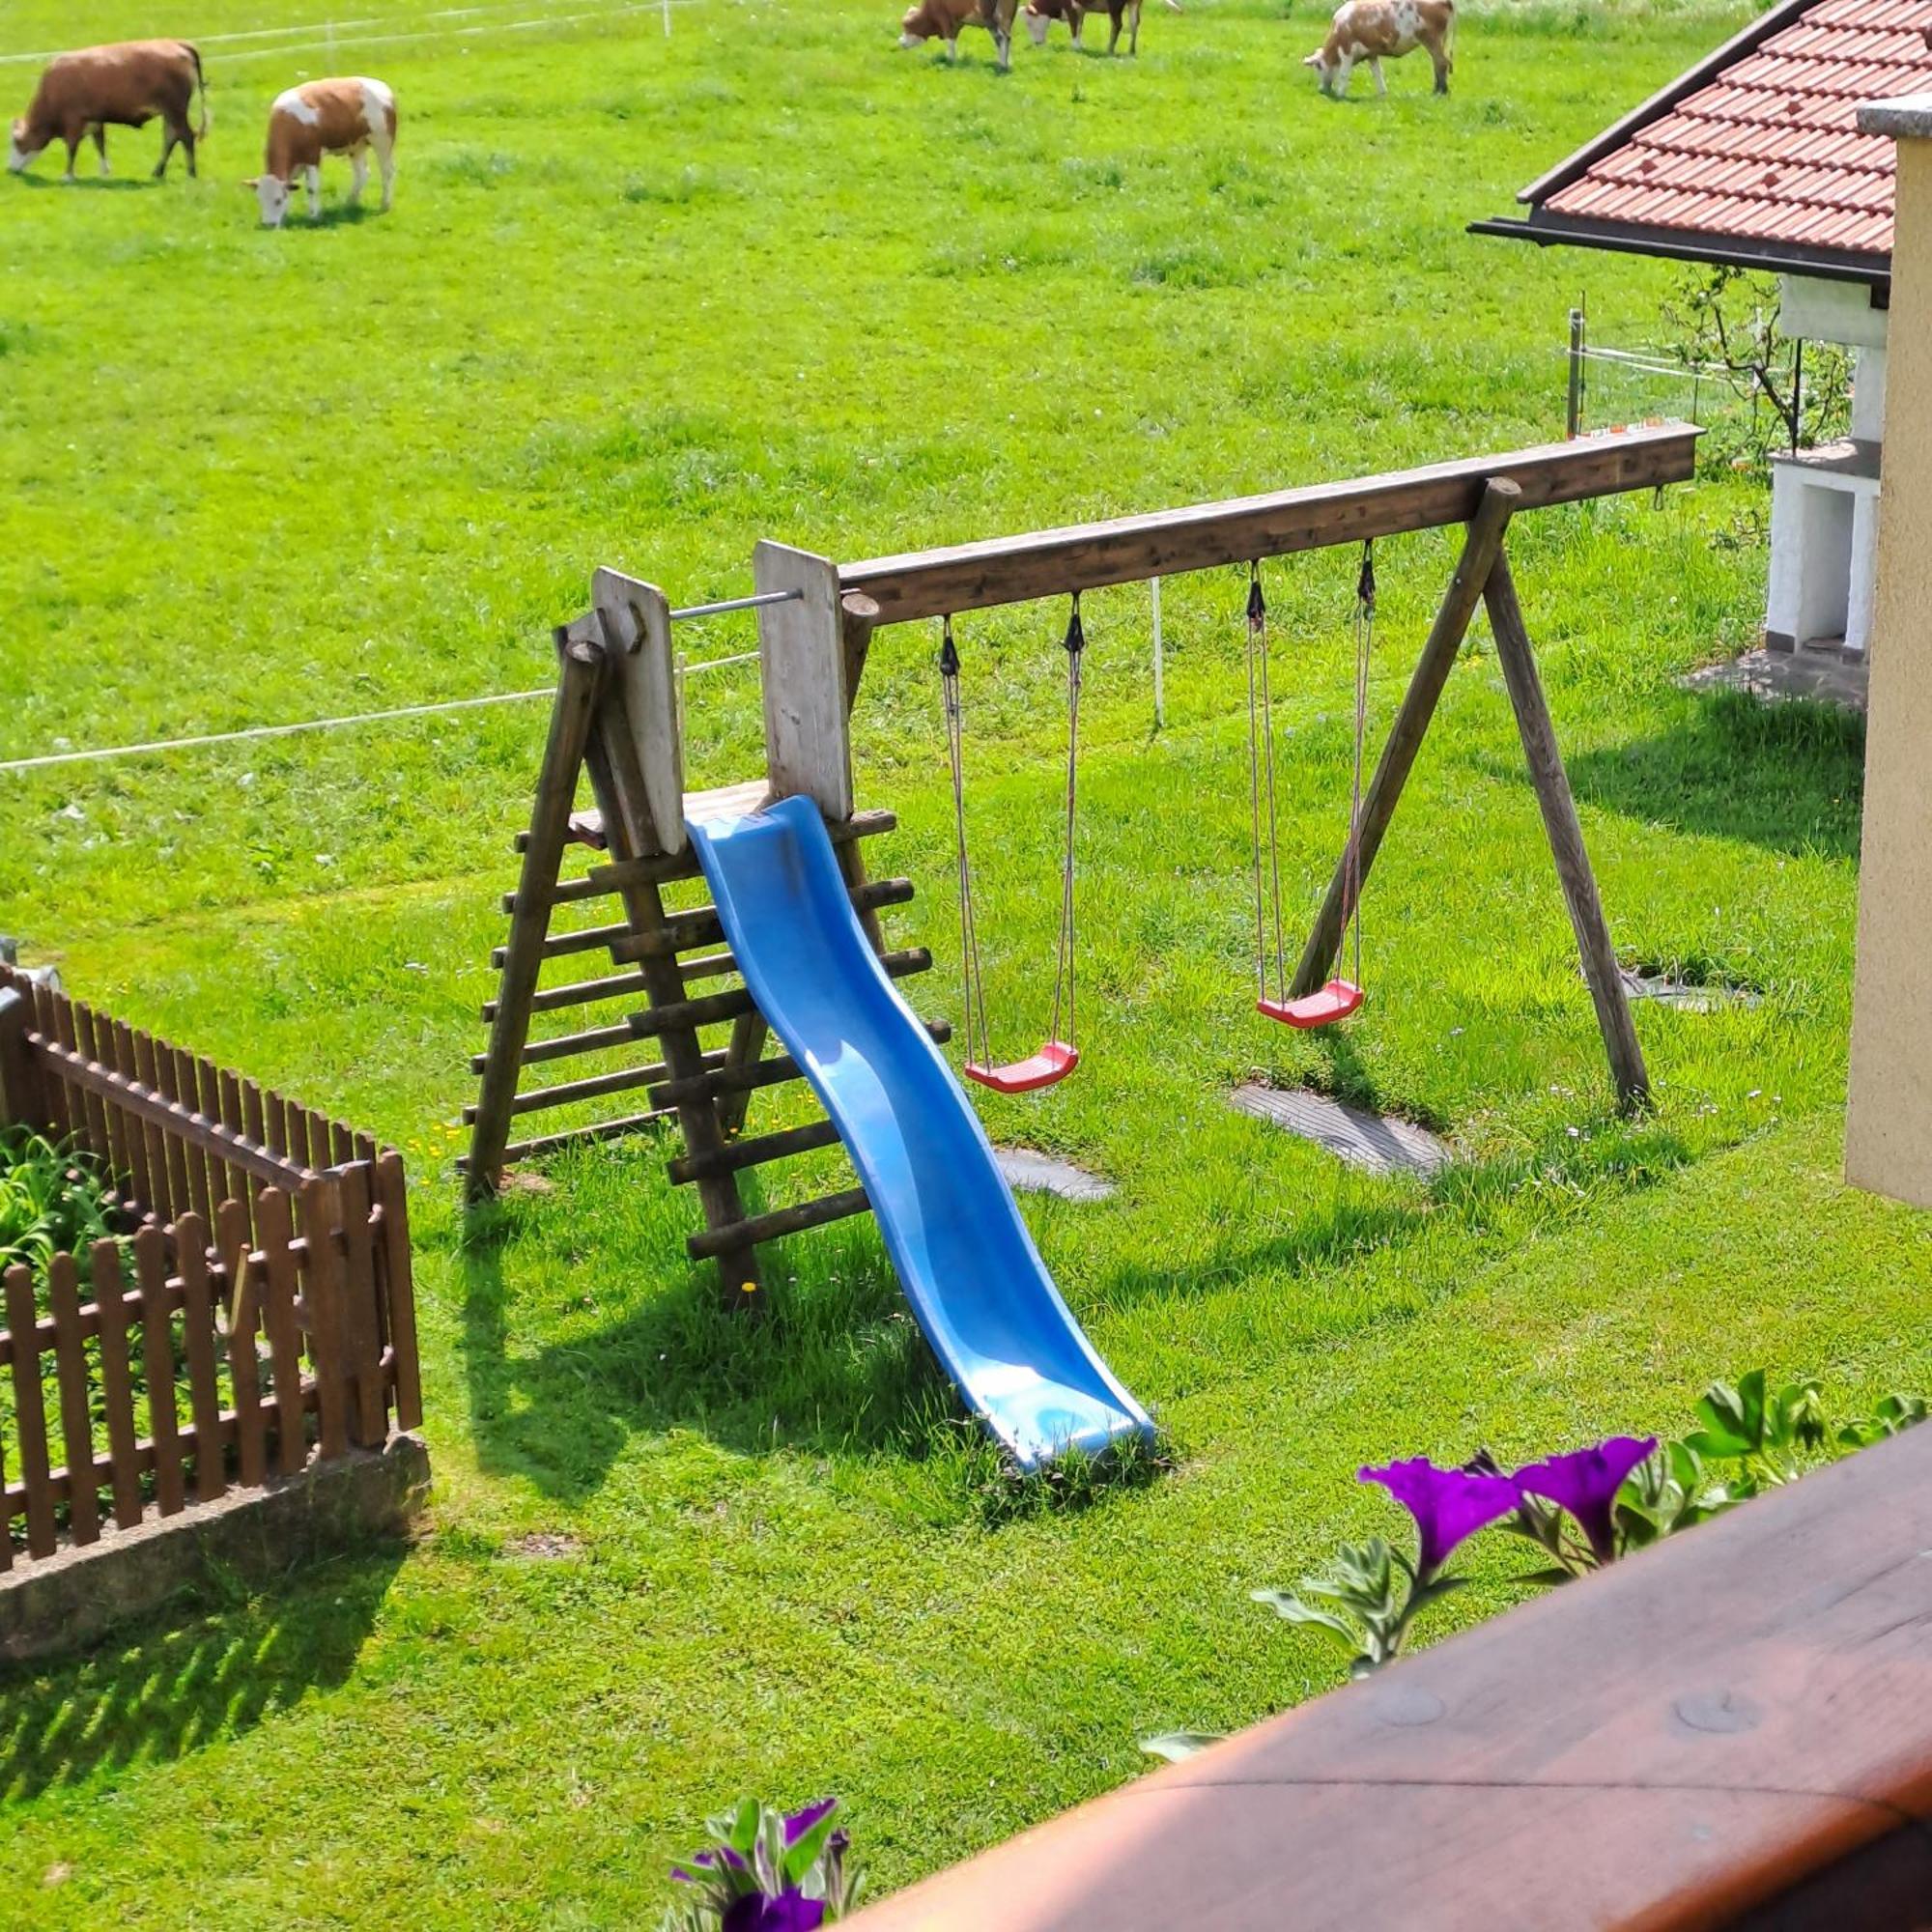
1758, 145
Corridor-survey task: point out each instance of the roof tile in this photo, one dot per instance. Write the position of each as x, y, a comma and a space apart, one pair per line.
1768, 149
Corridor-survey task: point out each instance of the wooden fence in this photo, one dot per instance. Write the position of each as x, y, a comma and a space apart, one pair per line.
257, 1315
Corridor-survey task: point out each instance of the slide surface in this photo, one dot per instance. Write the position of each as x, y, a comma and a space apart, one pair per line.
964, 1258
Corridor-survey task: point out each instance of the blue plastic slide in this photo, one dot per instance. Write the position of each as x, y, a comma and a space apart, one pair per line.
964, 1258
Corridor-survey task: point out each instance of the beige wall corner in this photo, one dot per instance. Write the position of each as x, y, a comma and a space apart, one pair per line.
1889, 1125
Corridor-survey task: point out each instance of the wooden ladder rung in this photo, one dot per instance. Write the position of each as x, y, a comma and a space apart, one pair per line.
702, 927
737, 1155
712, 1008
773, 1072
538, 1099
591, 939
711, 1242
585, 827
600, 1130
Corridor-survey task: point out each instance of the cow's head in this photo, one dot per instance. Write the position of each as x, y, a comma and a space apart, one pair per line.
1036, 19
21, 147
919, 26
1324, 67
272, 195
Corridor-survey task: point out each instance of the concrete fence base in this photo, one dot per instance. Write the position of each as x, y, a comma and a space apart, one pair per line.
66, 1601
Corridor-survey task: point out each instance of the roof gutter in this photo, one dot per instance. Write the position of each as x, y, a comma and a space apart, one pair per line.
1874, 271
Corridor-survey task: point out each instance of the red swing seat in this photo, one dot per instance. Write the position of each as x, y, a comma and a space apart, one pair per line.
1335, 1001
1055, 1061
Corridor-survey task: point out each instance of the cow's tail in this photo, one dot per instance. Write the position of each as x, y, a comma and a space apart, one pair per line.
201, 87
1449, 39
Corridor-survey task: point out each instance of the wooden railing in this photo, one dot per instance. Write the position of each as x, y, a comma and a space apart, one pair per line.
255, 1316
1733, 1728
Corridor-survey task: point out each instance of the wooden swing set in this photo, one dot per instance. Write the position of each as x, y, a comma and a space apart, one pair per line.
617, 719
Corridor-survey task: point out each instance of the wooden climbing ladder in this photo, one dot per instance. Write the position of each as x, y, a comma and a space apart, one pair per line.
615, 719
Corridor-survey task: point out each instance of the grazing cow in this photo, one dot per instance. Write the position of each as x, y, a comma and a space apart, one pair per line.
1370, 29
125, 85
325, 117
942, 20
1040, 12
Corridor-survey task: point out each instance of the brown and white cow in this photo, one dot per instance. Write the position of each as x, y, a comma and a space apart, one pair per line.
325, 117
942, 20
125, 85
1372, 30
1040, 13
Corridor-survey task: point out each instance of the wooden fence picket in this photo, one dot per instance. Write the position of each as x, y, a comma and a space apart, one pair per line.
321, 1282
157, 1356
30, 1415
284, 1335
117, 1383
70, 1380
233, 1242
362, 1325
399, 1289
211, 1473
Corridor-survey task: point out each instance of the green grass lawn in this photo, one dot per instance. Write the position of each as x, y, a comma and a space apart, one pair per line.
641, 301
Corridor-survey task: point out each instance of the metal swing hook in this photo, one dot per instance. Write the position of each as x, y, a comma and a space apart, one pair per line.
1365, 581
948, 652
1258, 609
1075, 640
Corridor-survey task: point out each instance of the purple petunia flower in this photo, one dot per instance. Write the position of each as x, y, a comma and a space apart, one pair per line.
1447, 1504
789, 1911
797, 1823
1585, 1483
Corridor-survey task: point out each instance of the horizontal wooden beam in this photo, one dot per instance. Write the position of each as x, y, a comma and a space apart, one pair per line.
734, 1156
773, 1072
1202, 536
779, 1222
213, 1137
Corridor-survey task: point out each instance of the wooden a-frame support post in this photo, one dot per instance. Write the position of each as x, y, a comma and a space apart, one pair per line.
1483, 576
579, 678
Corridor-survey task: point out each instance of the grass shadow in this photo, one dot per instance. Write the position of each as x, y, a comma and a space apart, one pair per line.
154, 1693
834, 1363
1788, 777
93, 184
1620, 1157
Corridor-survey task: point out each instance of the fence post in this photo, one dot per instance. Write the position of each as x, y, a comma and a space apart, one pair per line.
1159, 663
1574, 412
22, 1101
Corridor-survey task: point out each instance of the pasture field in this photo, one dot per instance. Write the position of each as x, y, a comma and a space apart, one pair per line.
642, 300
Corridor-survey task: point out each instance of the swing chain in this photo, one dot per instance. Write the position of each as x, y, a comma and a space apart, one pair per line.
1365, 643
1261, 784
973, 986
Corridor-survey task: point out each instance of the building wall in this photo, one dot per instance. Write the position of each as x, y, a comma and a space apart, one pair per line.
1889, 1127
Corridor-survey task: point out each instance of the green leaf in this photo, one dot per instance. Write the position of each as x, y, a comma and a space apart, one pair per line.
1176, 1747
1285, 1603
740, 1832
